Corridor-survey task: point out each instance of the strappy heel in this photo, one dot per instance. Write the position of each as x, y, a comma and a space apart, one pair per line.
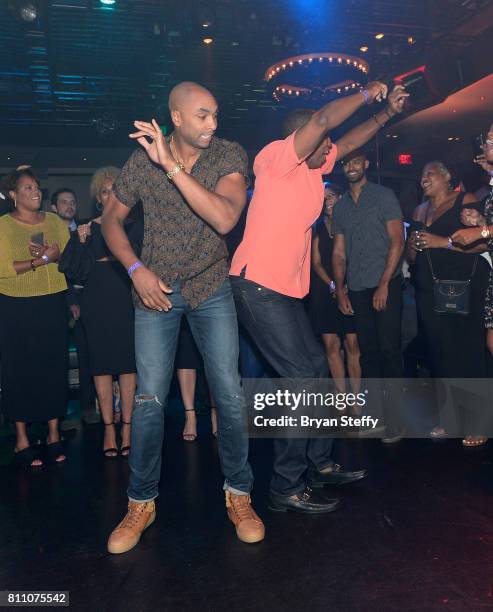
191, 437
125, 450
107, 451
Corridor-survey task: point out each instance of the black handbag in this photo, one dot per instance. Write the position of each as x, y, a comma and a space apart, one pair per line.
451, 296
77, 259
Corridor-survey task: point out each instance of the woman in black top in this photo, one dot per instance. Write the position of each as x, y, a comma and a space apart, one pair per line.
456, 342
327, 320
107, 315
483, 229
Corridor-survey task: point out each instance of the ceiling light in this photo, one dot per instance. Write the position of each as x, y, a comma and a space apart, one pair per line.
450, 138
28, 11
208, 40
363, 49
379, 36
108, 2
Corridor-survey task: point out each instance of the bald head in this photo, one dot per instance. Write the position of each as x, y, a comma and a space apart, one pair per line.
184, 93
193, 111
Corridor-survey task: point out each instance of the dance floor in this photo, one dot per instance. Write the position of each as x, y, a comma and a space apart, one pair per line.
417, 534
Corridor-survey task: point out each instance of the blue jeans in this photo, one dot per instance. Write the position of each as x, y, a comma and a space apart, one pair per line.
215, 330
283, 333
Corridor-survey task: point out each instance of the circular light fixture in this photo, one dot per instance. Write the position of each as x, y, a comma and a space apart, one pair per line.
363, 49
331, 73
379, 36
208, 40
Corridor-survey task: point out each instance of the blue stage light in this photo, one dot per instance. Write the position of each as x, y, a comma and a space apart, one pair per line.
108, 2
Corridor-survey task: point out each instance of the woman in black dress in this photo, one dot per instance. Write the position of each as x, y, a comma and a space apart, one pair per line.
107, 315
483, 229
187, 361
456, 342
327, 320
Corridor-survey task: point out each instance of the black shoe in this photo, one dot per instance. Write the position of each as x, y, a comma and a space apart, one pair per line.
336, 476
307, 502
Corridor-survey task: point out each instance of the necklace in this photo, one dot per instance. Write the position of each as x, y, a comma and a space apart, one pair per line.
173, 151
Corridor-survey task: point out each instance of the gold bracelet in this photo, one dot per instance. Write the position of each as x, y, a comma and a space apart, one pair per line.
173, 172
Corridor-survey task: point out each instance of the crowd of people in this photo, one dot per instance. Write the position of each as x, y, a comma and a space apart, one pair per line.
149, 279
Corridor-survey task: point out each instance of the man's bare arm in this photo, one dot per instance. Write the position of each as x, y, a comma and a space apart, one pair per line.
362, 133
308, 137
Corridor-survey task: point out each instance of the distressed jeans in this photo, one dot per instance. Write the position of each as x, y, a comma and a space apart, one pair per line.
215, 330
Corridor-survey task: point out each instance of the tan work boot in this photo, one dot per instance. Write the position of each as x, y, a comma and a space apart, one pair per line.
127, 534
249, 526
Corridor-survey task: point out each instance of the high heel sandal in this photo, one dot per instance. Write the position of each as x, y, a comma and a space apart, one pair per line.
189, 437
107, 451
125, 450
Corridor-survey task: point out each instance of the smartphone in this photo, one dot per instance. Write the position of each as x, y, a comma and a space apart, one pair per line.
477, 145
38, 238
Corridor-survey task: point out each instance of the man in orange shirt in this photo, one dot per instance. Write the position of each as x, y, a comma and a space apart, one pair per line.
270, 274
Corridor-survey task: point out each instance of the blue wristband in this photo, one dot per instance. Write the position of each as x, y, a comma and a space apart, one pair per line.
450, 243
366, 95
45, 258
134, 267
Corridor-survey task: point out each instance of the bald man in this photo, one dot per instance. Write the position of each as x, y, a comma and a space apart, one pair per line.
193, 189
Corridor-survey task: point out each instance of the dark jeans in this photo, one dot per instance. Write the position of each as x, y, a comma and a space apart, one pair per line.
215, 330
379, 337
280, 327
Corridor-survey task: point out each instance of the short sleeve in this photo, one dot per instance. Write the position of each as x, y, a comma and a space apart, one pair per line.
7, 269
278, 158
330, 162
127, 185
337, 219
390, 207
234, 161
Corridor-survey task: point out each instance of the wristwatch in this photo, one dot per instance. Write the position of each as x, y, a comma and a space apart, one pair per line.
485, 232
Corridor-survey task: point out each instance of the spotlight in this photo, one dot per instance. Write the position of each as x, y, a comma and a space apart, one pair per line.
208, 40
363, 49
108, 2
28, 11
411, 40
379, 36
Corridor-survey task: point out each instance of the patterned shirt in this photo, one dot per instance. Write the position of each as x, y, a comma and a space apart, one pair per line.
178, 245
364, 226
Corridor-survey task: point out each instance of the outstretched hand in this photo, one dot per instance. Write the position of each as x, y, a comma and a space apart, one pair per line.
158, 149
396, 100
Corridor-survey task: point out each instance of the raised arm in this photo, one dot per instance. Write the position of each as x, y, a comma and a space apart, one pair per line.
220, 208
362, 133
331, 115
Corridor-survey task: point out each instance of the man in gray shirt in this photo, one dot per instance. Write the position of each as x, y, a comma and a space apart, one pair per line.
368, 247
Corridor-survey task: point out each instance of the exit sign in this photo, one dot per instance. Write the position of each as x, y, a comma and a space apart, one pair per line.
405, 159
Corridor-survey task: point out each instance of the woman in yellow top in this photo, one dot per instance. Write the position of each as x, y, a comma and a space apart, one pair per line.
33, 319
